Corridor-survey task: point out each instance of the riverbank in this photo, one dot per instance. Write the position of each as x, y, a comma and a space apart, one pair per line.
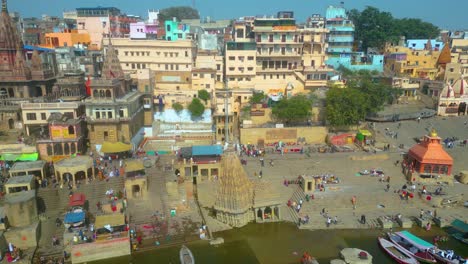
280, 243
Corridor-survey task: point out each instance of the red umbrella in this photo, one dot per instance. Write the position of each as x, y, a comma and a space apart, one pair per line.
428, 197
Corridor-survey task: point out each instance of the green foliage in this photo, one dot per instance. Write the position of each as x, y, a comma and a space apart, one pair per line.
373, 28
257, 97
345, 106
196, 107
294, 109
363, 95
178, 107
204, 95
180, 12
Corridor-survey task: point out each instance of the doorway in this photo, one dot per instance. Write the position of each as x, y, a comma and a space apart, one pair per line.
136, 191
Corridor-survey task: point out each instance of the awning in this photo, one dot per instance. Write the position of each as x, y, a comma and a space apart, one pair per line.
72, 218
115, 147
77, 199
133, 165
110, 219
19, 157
365, 132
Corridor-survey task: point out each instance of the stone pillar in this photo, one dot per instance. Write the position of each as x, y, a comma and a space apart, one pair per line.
263, 214
73, 177
86, 175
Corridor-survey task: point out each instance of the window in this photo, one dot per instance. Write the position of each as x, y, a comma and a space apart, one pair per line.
207, 86
71, 130
109, 114
250, 58
186, 53
43, 116
132, 53
231, 68
250, 68
31, 116
232, 58
133, 65
218, 67
98, 115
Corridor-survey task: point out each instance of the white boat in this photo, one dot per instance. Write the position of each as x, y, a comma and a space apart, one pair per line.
186, 256
411, 247
396, 252
441, 255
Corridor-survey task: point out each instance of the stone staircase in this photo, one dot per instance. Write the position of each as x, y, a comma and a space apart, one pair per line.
339, 204
45, 247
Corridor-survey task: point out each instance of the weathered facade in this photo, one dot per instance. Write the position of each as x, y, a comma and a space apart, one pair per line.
20, 81
114, 112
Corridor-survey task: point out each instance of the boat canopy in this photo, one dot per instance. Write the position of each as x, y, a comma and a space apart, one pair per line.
460, 225
415, 240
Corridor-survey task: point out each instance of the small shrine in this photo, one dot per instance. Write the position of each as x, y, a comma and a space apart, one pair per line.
428, 162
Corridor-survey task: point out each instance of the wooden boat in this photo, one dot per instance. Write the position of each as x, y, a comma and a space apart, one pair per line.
441, 254
186, 256
459, 230
412, 248
396, 252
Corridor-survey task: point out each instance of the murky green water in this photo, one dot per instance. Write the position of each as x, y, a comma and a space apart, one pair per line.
277, 243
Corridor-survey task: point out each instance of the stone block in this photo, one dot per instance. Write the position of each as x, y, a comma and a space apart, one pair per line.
441, 222
405, 222
24, 237
385, 223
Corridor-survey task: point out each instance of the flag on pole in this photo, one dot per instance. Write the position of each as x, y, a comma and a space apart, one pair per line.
88, 86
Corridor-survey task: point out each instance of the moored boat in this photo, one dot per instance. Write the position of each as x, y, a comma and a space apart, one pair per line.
417, 251
186, 256
446, 256
460, 230
396, 252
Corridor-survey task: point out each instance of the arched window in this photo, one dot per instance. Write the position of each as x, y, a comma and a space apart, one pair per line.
71, 130
49, 150
58, 150
73, 148
66, 149
11, 92
102, 93
108, 94
95, 93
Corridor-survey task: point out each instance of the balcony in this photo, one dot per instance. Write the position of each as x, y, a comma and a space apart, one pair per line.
63, 105
278, 54
12, 103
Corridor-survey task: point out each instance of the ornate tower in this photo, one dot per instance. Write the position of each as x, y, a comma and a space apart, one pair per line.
234, 196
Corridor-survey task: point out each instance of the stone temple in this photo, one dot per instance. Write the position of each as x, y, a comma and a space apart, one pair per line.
234, 196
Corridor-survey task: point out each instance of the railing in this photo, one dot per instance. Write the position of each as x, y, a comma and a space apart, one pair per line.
49, 105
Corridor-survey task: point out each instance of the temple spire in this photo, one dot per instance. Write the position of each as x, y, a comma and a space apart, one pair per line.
4, 6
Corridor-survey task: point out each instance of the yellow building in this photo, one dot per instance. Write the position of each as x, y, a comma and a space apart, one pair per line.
66, 39
426, 64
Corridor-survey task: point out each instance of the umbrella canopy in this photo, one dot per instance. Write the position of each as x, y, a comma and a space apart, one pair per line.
115, 147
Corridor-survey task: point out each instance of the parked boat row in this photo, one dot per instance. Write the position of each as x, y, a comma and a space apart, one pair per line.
407, 248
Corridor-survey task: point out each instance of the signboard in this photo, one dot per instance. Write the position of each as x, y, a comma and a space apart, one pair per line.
284, 28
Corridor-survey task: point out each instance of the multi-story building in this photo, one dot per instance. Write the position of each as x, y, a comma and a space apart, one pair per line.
114, 112
341, 31
314, 55
19, 81
425, 63
453, 99
170, 61
279, 54
101, 21
36, 115
66, 38
241, 64
176, 30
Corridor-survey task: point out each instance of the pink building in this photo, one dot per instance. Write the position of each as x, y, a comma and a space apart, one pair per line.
142, 30
100, 21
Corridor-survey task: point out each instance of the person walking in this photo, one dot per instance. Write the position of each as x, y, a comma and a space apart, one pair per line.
328, 221
353, 201
387, 187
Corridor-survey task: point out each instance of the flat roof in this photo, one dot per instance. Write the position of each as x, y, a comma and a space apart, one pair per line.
28, 166
116, 219
20, 196
19, 180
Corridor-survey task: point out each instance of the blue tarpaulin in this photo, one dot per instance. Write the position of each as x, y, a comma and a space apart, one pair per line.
207, 150
71, 218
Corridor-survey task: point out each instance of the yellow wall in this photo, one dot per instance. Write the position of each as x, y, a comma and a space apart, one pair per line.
312, 135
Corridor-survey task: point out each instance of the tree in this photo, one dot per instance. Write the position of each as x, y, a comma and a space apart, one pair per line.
345, 107
374, 28
294, 109
196, 108
257, 97
178, 107
179, 12
204, 95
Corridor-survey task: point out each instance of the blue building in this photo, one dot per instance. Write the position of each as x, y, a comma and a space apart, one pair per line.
176, 30
341, 35
422, 44
357, 61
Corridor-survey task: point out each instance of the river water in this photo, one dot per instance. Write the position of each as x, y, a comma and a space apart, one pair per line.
280, 243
